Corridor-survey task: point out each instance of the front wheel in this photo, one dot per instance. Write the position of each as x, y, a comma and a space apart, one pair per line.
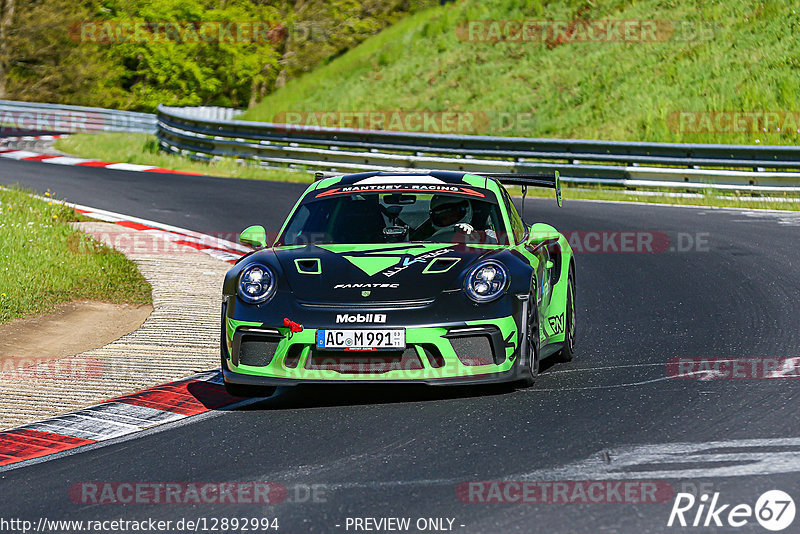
532, 338
567, 352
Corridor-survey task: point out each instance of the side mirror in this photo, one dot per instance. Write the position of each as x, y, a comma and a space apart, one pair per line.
540, 232
255, 236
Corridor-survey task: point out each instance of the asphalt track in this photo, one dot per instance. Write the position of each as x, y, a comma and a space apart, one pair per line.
612, 414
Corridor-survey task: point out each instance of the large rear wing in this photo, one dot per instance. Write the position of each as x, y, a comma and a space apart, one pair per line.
549, 180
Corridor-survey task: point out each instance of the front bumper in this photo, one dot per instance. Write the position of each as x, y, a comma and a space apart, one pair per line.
511, 375
484, 351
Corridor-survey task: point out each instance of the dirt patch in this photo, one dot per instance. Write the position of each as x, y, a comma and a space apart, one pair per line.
73, 328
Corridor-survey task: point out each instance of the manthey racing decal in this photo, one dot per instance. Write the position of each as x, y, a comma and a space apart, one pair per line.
404, 188
388, 261
391, 184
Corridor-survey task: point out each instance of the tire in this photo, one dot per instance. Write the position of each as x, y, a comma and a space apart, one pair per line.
567, 352
532, 337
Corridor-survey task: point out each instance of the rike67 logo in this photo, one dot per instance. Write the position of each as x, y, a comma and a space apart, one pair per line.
774, 510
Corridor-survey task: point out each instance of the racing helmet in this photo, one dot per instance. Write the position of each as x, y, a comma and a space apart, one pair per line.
446, 211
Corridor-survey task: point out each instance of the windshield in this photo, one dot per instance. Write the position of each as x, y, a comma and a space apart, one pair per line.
395, 218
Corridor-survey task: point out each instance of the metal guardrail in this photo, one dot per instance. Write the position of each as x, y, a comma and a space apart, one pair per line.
26, 116
210, 132
685, 166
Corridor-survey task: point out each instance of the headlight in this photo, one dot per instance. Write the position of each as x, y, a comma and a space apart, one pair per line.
256, 283
486, 282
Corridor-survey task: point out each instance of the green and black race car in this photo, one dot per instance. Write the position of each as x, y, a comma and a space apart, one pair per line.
396, 277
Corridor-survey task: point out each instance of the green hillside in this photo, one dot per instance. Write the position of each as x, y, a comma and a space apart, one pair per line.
723, 56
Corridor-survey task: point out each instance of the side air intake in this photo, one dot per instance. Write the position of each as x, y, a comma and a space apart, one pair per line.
308, 266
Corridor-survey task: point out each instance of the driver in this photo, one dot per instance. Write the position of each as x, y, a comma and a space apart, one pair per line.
449, 215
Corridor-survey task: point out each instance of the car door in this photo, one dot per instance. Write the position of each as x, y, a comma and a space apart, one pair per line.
522, 236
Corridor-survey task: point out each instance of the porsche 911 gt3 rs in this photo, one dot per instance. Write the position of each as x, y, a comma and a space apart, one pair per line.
400, 277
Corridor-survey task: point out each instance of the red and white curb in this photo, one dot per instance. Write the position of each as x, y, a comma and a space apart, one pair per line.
4, 140
116, 418
26, 155
217, 247
122, 416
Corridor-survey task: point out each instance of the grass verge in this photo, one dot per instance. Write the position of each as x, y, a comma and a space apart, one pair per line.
45, 262
142, 149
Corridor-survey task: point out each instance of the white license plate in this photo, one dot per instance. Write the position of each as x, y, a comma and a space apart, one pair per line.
371, 339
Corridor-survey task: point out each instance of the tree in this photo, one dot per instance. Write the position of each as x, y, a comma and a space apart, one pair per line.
6, 18
57, 51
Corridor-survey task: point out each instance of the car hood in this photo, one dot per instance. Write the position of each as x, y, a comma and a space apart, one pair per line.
360, 274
